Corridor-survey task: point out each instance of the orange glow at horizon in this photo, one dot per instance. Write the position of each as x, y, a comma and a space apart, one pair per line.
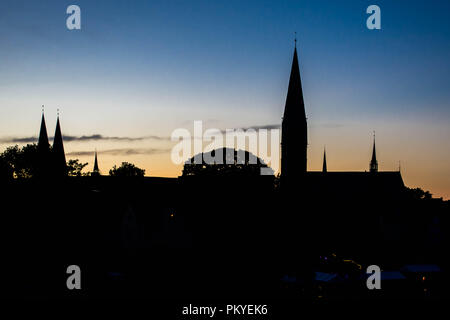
348, 149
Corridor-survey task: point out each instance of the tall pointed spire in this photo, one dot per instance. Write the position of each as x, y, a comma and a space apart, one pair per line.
96, 171
58, 151
294, 100
324, 166
43, 137
374, 162
294, 128
43, 149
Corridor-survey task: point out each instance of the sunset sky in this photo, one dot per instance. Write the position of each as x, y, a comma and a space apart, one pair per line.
137, 70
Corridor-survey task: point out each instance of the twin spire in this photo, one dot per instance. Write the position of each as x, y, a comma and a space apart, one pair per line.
55, 162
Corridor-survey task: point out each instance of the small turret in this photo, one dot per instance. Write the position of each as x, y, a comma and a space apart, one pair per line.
374, 162
95, 171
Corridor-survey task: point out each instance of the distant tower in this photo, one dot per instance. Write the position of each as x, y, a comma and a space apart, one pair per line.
59, 156
374, 162
324, 167
96, 171
294, 129
43, 150
43, 144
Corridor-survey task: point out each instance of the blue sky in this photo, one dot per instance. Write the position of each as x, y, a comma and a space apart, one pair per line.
139, 68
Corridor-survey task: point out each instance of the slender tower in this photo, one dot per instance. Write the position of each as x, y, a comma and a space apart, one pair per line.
294, 129
59, 156
43, 151
374, 162
96, 171
43, 145
324, 166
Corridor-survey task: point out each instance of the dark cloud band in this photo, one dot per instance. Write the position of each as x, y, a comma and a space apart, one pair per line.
94, 137
125, 152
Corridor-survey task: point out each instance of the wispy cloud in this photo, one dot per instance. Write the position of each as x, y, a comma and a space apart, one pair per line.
266, 126
123, 152
18, 140
256, 128
100, 137
93, 137
278, 126
97, 137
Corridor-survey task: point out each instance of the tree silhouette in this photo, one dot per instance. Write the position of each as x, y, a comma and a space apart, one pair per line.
75, 168
6, 172
224, 161
126, 170
419, 194
23, 162
28, 162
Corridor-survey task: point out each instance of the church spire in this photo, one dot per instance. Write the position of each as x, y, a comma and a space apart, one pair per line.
96, 171
43, 137
294, 100
43, 148
374, 162
294, 128
58, 150
324, 167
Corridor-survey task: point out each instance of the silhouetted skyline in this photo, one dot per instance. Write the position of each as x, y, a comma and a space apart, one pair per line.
142, 71
316, 209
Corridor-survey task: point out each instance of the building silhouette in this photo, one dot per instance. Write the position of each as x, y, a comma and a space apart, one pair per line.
294, 139
295, 178
294, 143
214, 233
52, 161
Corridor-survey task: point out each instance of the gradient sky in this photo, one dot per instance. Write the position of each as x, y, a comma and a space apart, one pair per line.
140, 69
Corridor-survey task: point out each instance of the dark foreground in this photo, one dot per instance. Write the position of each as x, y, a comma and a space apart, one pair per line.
202, 239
